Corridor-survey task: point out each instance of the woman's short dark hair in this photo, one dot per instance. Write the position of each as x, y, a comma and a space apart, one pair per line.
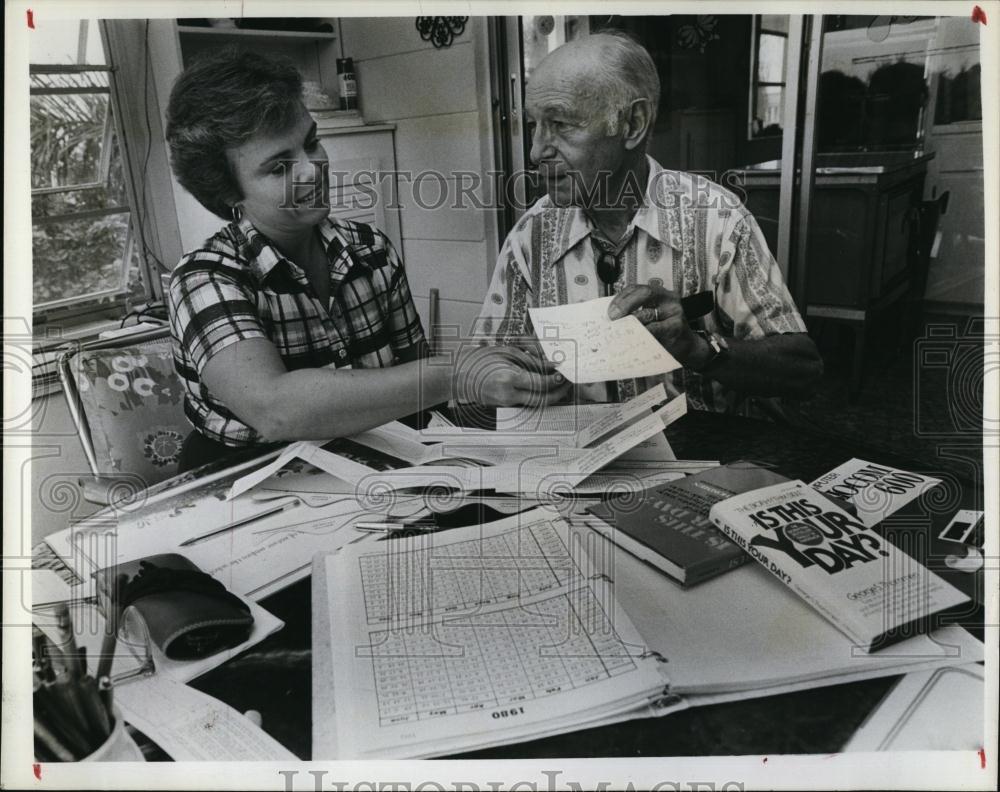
221, 102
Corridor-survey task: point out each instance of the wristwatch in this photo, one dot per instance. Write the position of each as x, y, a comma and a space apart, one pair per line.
720, 349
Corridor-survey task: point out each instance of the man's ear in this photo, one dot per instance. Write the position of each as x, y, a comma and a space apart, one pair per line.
638, 120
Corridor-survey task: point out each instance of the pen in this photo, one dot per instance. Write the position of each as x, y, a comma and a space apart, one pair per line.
240, 523
391, 527
112, 619
71, 655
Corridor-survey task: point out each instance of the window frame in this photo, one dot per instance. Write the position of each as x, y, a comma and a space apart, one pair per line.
756, 30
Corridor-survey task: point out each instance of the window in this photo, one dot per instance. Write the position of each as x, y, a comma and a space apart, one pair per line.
873, 87
83, 251
767, 79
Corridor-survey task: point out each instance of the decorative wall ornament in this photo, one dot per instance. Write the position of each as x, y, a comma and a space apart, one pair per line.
699, 33
441, 31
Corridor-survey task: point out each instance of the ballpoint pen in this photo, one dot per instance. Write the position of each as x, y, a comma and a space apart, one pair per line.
240, 523
390, 528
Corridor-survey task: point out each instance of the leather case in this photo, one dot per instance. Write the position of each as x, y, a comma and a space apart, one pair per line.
188, 614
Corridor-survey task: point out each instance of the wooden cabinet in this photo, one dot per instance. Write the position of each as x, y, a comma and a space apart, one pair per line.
863, 218
363, 175
862, 257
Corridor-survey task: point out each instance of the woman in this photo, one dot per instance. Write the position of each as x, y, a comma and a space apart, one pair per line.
289, 324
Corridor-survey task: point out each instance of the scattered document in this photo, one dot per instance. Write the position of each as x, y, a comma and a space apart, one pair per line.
876, 491
336, 465
254, 559
587, 346
516, 467
475, 637
192, 726
573, 419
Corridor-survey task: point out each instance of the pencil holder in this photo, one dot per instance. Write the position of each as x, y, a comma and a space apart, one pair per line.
119, 747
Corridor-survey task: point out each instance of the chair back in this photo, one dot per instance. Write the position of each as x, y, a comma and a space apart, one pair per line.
128, 405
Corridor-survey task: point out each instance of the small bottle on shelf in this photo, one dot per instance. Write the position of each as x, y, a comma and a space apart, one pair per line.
348, 84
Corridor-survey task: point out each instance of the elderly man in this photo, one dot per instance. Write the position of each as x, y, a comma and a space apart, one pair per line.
615, 222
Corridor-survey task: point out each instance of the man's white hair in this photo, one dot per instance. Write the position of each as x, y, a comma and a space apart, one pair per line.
625, 72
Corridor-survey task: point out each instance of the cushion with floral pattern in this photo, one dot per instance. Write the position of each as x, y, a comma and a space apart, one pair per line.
134, 405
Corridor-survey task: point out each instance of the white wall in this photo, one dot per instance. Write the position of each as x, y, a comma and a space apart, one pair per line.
439, 101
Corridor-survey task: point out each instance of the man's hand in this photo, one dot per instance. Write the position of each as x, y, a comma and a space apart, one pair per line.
507, 377
660, 311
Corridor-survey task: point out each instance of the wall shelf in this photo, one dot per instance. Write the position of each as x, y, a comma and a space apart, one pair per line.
241, 33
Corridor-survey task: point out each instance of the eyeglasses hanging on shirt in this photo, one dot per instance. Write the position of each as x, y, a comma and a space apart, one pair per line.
609, 266
609, 270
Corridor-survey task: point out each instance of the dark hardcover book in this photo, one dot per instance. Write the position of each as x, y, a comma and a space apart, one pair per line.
670, 527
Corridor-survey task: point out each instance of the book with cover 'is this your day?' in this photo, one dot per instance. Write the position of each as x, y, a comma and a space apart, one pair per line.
868, 588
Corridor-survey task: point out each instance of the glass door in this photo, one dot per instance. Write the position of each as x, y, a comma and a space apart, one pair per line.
519, 43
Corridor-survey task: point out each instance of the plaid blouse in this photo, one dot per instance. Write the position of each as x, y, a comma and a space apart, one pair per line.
238, 286
689, 236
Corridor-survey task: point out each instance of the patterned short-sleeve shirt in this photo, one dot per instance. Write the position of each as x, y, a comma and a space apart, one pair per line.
690, 235
238, 286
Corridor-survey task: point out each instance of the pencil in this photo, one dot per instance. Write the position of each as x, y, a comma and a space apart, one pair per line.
52, 744
239, 523
93, 704
64, 718
106, 690
112, 619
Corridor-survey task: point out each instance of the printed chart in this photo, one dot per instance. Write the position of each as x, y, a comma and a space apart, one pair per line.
484, 623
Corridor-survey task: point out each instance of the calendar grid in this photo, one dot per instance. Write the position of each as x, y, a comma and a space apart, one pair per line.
490, 660
398, 583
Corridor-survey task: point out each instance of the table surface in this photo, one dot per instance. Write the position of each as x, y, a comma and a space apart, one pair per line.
820, 720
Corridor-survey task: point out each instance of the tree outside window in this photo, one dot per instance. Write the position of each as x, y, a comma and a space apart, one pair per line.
82, 245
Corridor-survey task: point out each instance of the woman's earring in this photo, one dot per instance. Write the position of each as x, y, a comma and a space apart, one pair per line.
237, 213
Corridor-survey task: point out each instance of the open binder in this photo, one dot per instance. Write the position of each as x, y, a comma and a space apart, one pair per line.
405, 667
472, 637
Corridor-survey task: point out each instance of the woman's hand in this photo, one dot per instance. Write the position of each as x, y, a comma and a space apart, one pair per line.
660, 311
507, 377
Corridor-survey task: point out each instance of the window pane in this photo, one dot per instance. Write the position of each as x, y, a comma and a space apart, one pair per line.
769, 107
542, 34
67, 135
58, 41
771, 58
775, 22
104, 196
872, 89
76, 168
79, 257
959, 97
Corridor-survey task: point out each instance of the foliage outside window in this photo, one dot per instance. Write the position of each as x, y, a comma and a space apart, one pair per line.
767, 79
82, 246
